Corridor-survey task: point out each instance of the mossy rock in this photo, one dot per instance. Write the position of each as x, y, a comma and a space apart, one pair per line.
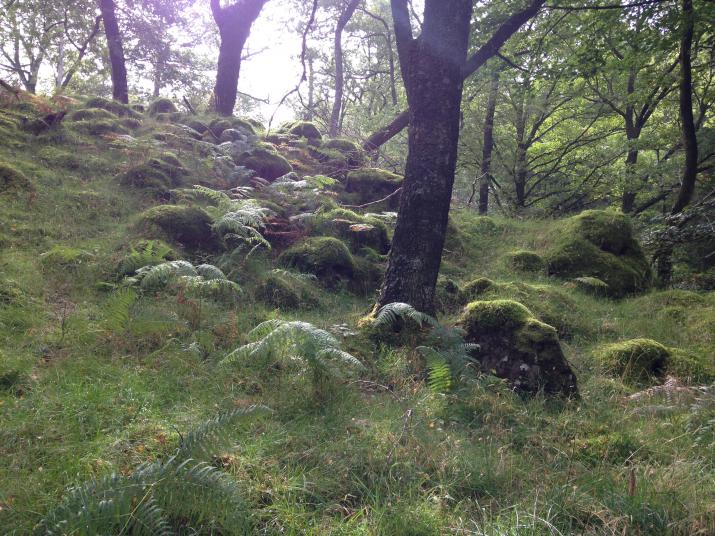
359, 232
266, 162
243, 125
447, 295
156, 176
116, 108
643, 362
367, 276
517, 347
303, 129
257, 125
130, 123
13, 181
162, 105
600, 243
591, 285
100, 127
373, 184
189, 226
328, 258
353, 152
91, 114
279, 293
218, 125
526, 261
197, 125
475, 288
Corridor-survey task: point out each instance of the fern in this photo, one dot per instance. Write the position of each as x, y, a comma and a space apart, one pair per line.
283, 340
182, 489
159, 276
439, 373
117, 315
298, 277
391, 314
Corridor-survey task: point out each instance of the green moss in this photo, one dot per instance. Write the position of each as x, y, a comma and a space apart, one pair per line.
218, 125
637, 361
447, 295
90, 114
13, 181
10, 293
367, 276
326, 257
614, 448
494, 315
197, 125
156, 176
690, 367
130, 123
475, 288
62, 257
359, 231
343, 145
526, 261
189, 226
162, 105
267, 163
100, 127
591, 285
279, 293
116, 108
600, 243
257, 125
304, 129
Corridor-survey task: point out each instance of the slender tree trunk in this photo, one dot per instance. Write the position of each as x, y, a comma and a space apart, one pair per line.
311, 91
60, 74
488, 144
120, 89
344, 18
690, 141
234, 24
629, 195
435, 79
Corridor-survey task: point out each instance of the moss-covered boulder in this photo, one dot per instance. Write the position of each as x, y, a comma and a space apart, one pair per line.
328, 258
130, 122
265, 161
189, 226
304, 129
645, 362
367, 276
474, 289
357, 230
591, 285
100, 127
162, 105
600, 243
447, 295
116, 108
13, 181
88, 114
279, 293
372, 184
156, 176
517, 347
352, 151
526, 261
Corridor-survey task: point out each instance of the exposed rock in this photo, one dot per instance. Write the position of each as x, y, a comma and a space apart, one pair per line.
517, 347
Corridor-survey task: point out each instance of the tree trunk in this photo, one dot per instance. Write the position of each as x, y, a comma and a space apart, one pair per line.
435, 80
629, 196
479, 58
690, 141
120, 89
344, 18
488, 144
234, 24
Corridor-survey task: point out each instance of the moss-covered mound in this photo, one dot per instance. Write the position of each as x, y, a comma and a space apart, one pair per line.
591, 285
327, 258
265, 161
304, 129
517, 347
372, 184
277, 292
352, 151
156, 176
645, 361
13, 181
64, 257
162, 105
357, 230
100, 127
600, 243
189, 226
526, 261
116, 108
89, 114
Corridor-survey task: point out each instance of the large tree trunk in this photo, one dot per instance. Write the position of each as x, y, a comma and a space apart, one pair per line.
690, 141
234, 24
344, 18
120, 89
479, 58
488, 144
434, 77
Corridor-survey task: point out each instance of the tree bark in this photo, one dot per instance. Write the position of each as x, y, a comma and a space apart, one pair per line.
344, 18
488, 144
690, 141
234, 25
120, 89
435, 79
479, 58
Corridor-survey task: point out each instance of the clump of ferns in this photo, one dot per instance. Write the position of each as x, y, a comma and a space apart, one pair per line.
442, 348
184, 493
149, 253
315, 350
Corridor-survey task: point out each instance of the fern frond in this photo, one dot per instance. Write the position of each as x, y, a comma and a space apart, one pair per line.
439, 373
391, 313
117, 310
299, 277
159, 276
209, 271
150, 254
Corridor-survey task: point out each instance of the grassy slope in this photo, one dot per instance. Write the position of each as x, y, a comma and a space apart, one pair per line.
477, 461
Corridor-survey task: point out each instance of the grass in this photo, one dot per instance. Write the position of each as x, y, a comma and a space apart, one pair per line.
386, 455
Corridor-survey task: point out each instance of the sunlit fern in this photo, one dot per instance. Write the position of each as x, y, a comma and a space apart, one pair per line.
204, 280
280, 340
298, 277
117, 311
148, 254
184, 490
391, 314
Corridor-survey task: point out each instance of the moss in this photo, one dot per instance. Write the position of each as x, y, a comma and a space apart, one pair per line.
614, 447
13, 181
242, 124
326, 257
359, 231
162, 105
117, 108
494, 315
267, 163
591, 285
526, 261
475, 288
89, 114
278, 293
304, 129
63, 257
600, 243
257, 125
636, 361
189, 226
100, 127
447, 295
197, 125
10, 293
218, 125
373, 182
156, 176
130, 123
690, 367
367, 276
